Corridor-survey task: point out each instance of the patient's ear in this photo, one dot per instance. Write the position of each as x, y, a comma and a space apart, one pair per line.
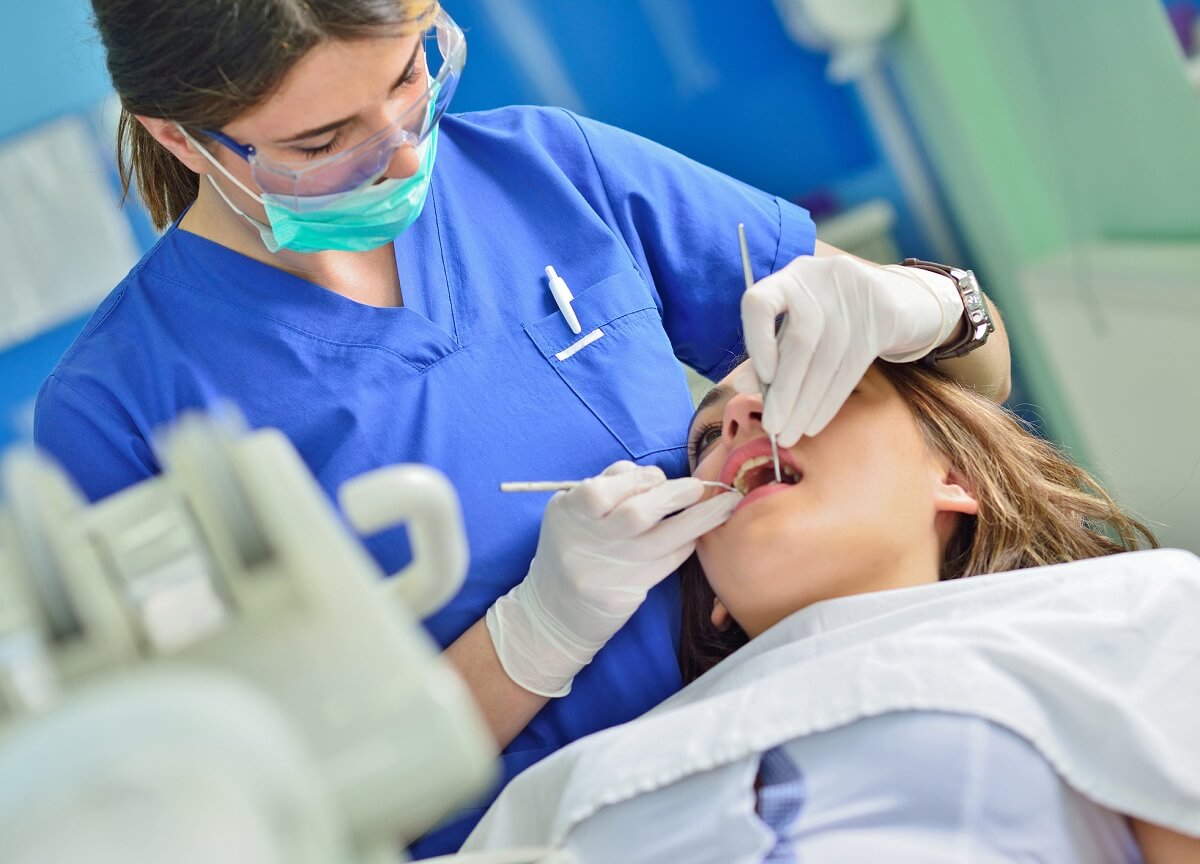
721, 618
953, 492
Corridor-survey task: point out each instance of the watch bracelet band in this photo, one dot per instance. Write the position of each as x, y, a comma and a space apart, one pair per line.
975, 312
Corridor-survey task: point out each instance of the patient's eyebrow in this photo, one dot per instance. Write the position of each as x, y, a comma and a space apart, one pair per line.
717, 394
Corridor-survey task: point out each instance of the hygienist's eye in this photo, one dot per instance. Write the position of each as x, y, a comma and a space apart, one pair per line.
702, 438
321, 149
416, 75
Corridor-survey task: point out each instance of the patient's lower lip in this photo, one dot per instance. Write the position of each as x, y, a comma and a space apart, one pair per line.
760, 493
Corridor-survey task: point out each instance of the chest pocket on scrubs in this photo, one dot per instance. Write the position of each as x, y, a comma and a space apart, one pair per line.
620, 364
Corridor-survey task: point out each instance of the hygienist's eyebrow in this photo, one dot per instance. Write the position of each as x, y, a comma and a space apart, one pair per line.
329, 127
718, 394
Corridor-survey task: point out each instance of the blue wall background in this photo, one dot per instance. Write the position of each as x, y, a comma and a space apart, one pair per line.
732, 91
52, 63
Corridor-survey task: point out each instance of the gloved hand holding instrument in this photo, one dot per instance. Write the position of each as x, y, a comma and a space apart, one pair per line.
842, 314
603, 545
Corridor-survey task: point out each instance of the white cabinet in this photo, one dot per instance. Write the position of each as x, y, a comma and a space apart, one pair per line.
1121, 328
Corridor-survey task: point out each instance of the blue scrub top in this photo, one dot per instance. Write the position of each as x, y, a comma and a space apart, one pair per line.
464, 376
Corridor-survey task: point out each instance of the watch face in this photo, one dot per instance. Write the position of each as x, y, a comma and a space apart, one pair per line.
972, 296
974, 305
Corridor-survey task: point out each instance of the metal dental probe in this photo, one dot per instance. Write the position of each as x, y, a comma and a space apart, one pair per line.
562, 485
749, 276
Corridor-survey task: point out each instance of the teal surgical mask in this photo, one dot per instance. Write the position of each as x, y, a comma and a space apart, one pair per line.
350, 222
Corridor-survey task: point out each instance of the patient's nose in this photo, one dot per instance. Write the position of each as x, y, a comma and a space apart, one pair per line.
743, 418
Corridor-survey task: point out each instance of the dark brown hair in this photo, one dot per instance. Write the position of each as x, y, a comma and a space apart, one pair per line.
202, 63
1035, 505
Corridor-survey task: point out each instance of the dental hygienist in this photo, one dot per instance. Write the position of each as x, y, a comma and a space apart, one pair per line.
348, 263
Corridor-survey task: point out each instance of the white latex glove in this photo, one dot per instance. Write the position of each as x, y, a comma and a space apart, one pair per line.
602, 547
842, 313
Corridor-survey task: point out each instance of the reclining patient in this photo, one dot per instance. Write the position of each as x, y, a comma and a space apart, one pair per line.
855, 699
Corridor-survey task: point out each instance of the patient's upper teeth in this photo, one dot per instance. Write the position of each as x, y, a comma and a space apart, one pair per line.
790, 474
739, 479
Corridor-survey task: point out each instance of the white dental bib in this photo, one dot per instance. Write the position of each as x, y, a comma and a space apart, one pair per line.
1095, 663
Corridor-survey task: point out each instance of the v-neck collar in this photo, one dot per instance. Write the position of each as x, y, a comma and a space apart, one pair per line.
421, 332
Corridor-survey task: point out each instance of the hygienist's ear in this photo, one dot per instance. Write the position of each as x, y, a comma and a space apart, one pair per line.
166, 133
721, 618
953, 492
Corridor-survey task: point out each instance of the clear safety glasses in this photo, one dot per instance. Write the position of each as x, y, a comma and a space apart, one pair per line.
316, 183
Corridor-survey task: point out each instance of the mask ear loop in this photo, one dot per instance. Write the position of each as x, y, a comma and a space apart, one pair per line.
261, 226
235, 181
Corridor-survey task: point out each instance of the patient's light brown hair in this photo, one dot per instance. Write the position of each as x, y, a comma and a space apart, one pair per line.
1035, 505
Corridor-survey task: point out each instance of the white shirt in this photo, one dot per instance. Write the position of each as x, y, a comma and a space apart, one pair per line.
1083, 681
925, 787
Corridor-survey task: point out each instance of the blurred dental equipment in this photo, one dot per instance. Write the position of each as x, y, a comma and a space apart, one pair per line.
748, 273
209, 665
566, 485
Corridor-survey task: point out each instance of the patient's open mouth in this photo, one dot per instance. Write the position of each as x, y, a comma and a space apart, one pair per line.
759, 471
751, 470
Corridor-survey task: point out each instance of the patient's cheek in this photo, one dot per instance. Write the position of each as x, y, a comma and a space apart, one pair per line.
709, 467
706, 551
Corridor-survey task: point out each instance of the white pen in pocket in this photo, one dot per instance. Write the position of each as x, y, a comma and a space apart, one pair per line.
564, 485
563, 297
